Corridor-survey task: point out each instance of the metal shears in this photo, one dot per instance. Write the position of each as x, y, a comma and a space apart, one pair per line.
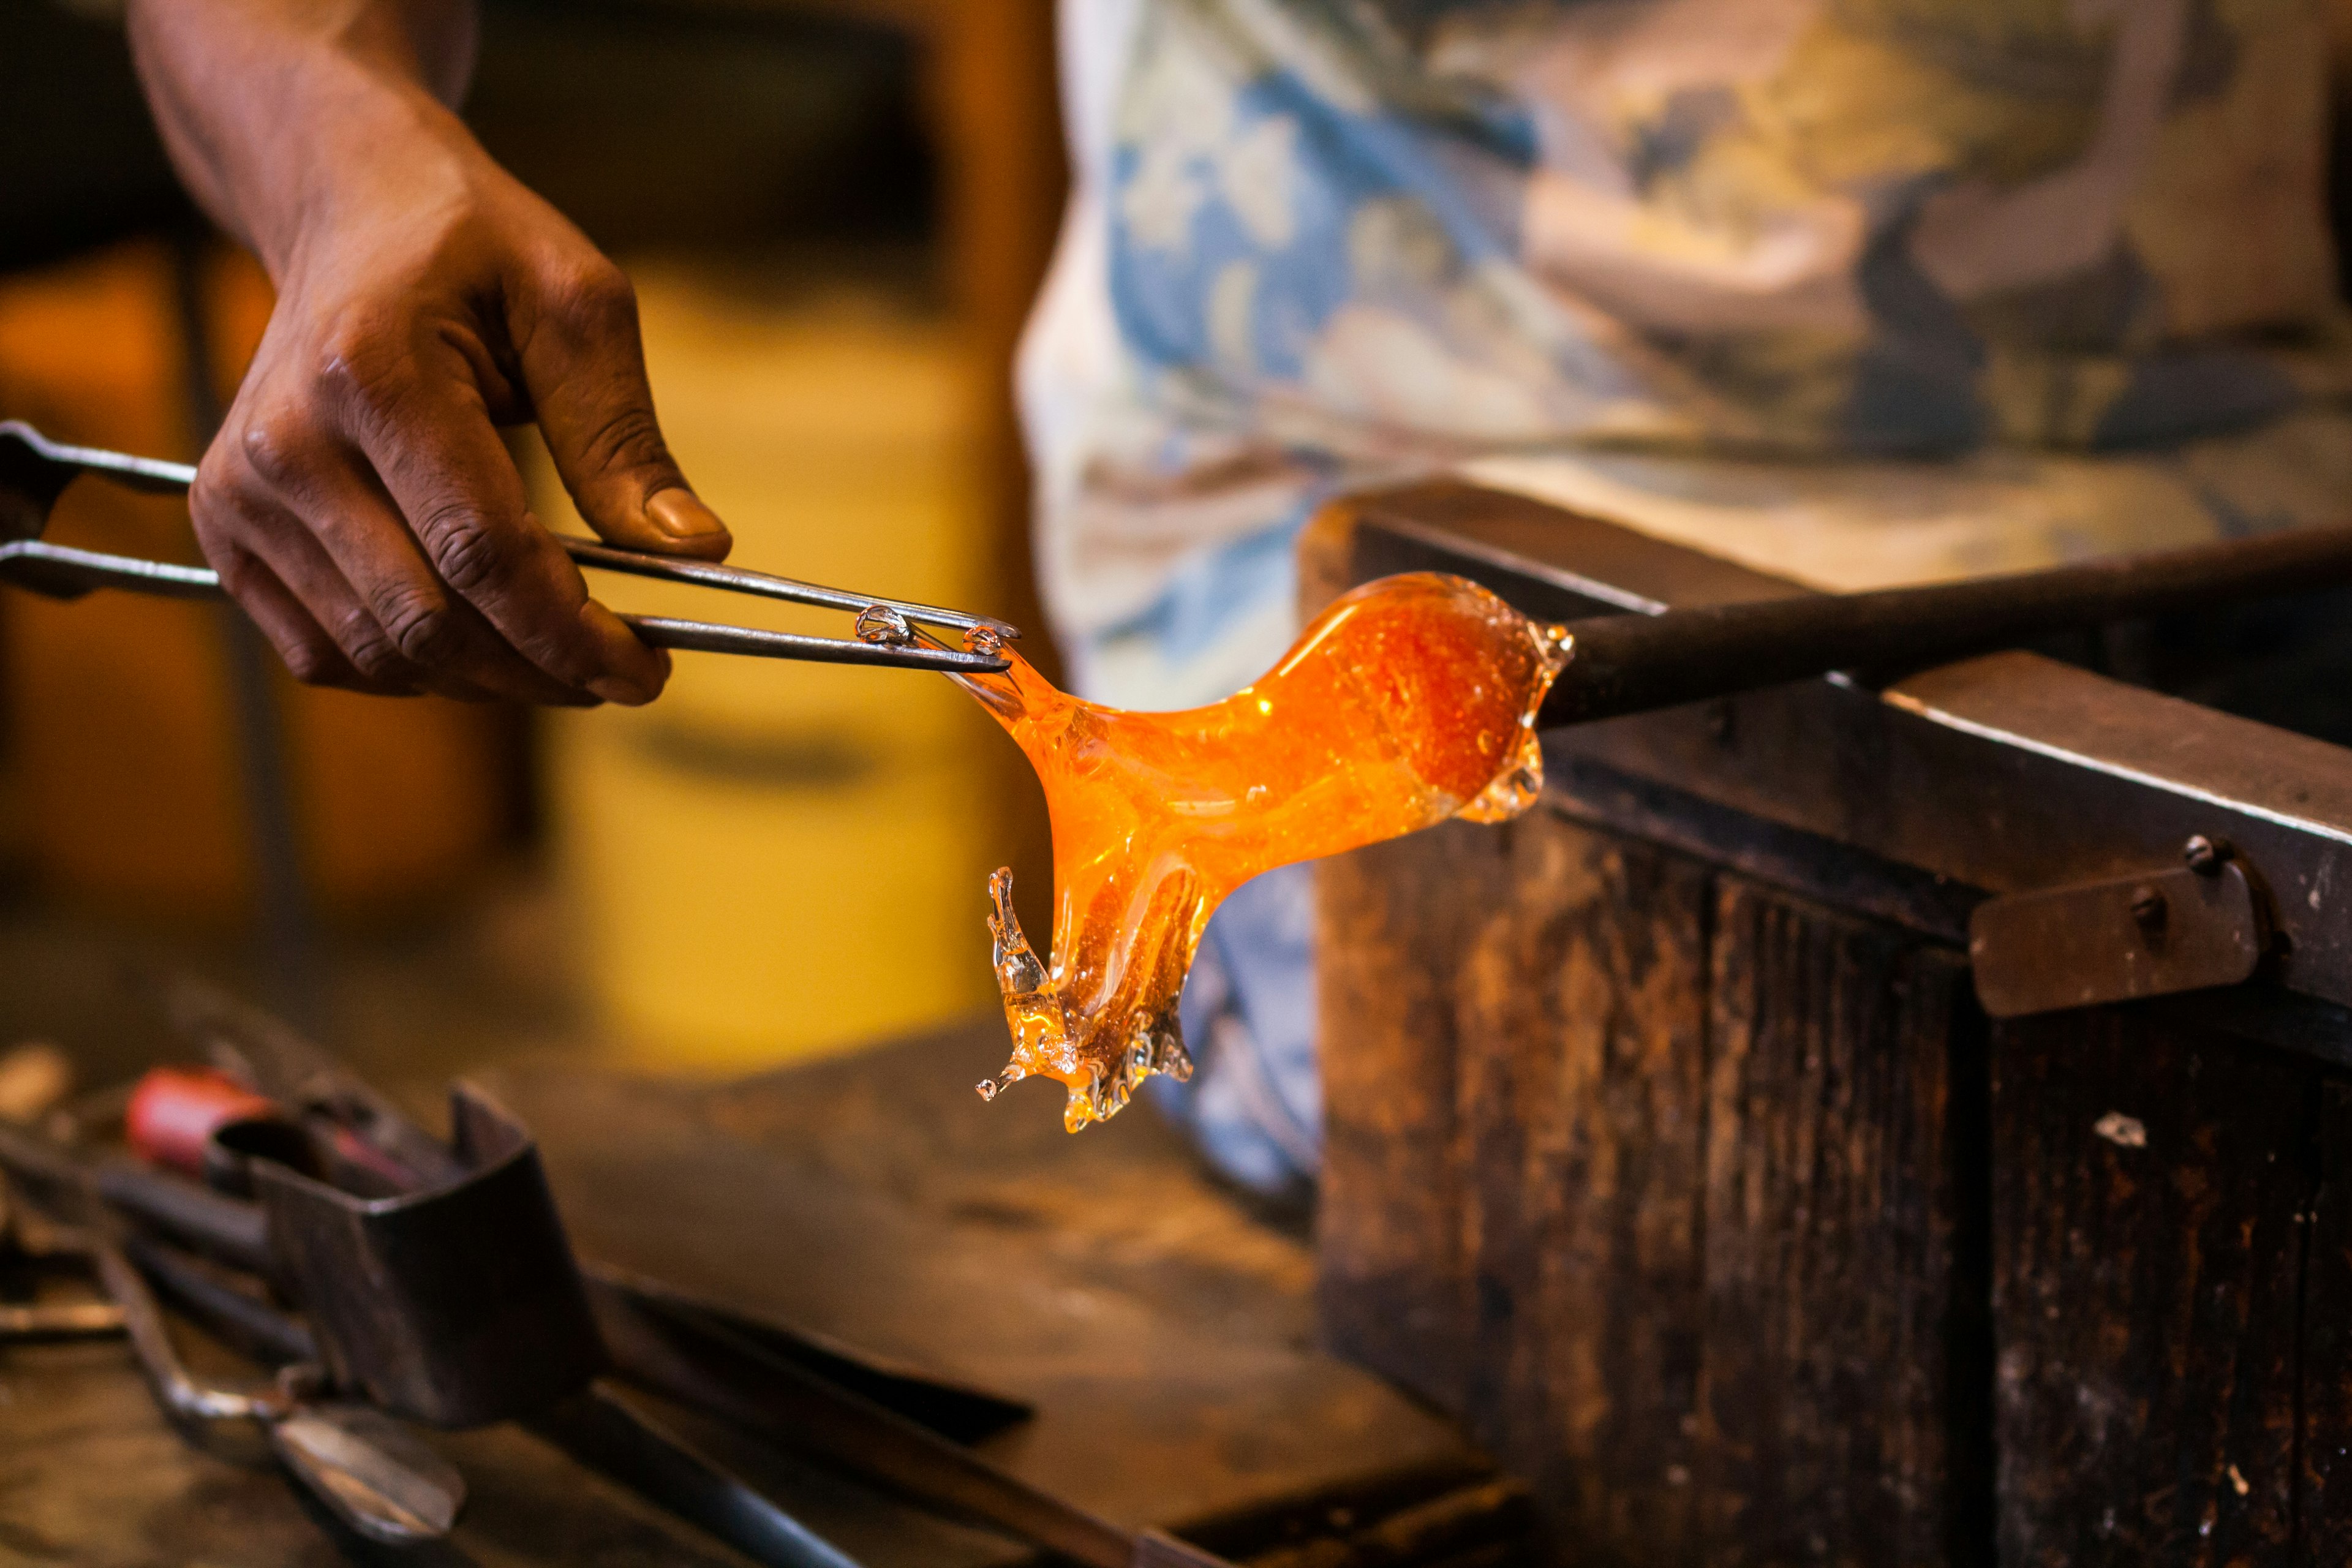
34, 470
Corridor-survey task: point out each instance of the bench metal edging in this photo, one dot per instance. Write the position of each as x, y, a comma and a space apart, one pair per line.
2004, 773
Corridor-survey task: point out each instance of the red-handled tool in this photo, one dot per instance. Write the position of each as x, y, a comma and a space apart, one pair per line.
175, 1111
203, 1123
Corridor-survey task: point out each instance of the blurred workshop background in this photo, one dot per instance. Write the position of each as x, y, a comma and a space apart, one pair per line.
836, 214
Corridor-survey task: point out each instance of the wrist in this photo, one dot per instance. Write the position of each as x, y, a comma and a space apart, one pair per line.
369, 149
281, 126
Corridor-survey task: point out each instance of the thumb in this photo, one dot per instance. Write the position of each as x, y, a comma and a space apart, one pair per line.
584, 367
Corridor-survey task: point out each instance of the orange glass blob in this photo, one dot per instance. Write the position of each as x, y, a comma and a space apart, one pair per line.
1411, 700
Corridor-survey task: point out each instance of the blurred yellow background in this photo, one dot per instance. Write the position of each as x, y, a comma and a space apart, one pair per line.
127, 788
836, 213
777, 859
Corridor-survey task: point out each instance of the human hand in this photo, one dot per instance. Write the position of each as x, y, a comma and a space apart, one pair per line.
359, 501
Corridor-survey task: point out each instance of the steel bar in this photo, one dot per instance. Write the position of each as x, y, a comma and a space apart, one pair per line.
2001, 773
705, 637
61, 571
1633, 664
703, 1365
221, 1227
603, 1429
243, 1318
23, 449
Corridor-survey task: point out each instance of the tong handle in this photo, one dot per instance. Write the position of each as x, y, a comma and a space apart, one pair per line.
34, 470
31, 460
62, 572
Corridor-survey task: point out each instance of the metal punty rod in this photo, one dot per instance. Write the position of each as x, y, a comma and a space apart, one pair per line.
1634, 663
34, 470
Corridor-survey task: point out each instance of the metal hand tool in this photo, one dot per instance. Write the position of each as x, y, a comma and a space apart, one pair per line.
371, 1471
680, 1349
34, 470
274, 1061
393, 1336
454, 1304
368, 1470
27, 1244
869, 1423
449, 1304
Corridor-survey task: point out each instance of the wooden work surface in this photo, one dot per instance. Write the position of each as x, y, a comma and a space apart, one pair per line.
1670, 1146
1165, 1333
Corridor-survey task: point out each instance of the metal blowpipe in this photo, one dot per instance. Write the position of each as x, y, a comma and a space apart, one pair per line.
1634, 663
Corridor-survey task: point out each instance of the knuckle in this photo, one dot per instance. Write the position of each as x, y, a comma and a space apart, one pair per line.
209, 504
626, 437
227, 490
590, 291
312, 659
370, 648
466, 550
360, 364
417, 623
271, 451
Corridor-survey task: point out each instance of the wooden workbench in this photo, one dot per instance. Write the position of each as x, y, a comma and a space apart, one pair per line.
1164, 1331
1667, 1143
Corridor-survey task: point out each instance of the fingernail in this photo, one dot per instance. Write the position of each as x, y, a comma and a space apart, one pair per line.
626, 693
681, 514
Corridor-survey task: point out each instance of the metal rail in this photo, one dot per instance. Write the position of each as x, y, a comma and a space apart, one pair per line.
2003, 774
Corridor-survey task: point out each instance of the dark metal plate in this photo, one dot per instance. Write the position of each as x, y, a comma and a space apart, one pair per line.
2115, 941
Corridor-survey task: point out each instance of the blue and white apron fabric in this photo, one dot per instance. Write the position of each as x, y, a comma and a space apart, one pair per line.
1864, 290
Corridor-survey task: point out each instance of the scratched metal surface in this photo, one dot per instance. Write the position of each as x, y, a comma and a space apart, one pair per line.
1165, 1331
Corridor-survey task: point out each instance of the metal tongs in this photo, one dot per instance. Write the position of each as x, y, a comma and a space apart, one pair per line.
34, 470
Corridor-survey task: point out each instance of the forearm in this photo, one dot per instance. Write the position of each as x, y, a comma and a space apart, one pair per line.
267, 105
358, 501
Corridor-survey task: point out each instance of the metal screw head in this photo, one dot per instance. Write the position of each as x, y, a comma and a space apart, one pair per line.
2205, 855
2148, 909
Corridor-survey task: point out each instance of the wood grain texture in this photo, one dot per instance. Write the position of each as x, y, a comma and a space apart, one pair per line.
2146, 1289
1580, 1101
1714, 1205
2324, 1504
1835, 1271
1390, 1247
1648, 1173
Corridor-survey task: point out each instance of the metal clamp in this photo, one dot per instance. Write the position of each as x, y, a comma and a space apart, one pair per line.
2185, 928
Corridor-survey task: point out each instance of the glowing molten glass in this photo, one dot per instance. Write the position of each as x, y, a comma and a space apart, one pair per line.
1410, 700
